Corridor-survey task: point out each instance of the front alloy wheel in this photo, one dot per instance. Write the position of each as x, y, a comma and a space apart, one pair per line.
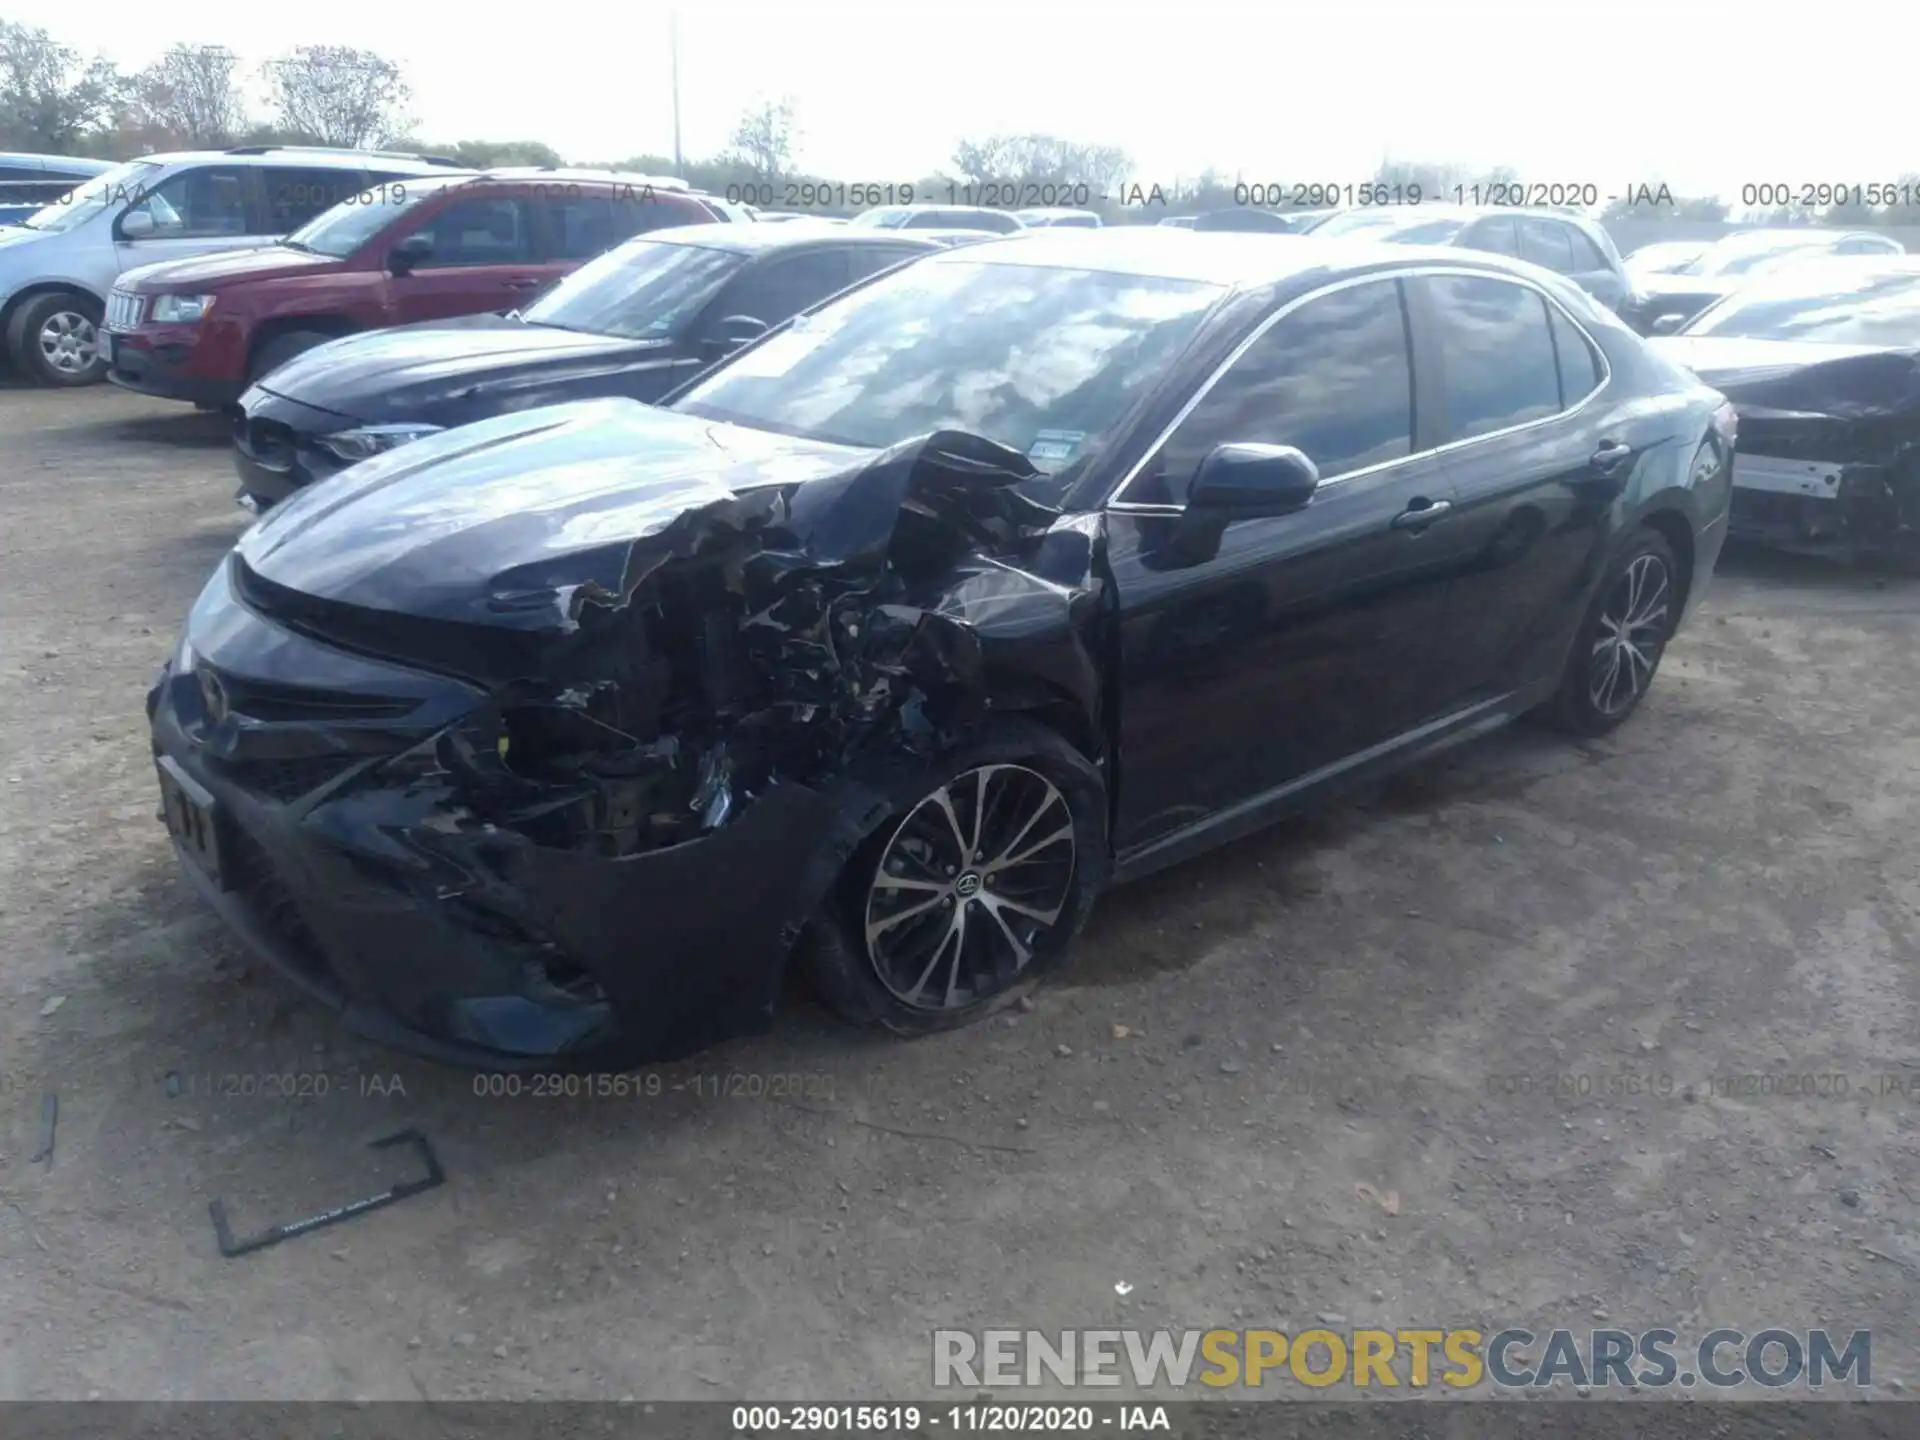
969, 886
1633, 628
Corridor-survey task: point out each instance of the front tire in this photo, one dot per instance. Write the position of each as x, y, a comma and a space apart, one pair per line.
1620, 642
971, 891
55, 340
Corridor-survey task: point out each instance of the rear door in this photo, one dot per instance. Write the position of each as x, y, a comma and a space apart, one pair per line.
1536, 456
484, 256
1297, 641
1590, 269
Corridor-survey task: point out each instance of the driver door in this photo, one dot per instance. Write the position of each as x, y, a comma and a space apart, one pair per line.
1291, 645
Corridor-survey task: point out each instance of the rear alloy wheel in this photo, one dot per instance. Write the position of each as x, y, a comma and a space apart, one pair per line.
972, 891
1619, 648
55, 339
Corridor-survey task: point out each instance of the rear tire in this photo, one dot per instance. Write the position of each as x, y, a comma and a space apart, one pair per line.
282, 348
1619, 644
920, 936
55, 340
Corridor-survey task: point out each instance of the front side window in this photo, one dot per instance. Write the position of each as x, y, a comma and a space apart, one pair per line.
479, 230
1498, 352
1544, 243
1043, 359
1496, 236
783, 286
295, 195
341, 231
206, 201
1332, 378
644, 290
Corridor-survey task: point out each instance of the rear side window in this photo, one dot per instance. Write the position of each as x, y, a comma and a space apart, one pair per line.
478, 231
1545, 243
1497, 350
1579, 367
1332, 378
637, 210
209, 200
582, 225
294, 195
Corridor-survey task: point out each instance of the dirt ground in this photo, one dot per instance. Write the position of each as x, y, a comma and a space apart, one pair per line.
1445, 990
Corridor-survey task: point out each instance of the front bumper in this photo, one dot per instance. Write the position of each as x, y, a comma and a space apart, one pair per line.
379, 893
163, 362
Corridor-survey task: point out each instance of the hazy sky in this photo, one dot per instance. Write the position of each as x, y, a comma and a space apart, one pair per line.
1610, 93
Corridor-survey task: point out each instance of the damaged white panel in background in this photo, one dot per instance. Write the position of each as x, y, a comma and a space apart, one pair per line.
1819, 478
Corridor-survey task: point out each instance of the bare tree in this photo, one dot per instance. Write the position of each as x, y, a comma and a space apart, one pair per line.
765, 139
50, 98
192, 94
339, 95
1025, 160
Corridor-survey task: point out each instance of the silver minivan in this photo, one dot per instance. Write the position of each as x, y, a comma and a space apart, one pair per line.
58, 264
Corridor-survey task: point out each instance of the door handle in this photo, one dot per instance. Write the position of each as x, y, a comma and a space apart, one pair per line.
520, 284
1610, 457
1419, 515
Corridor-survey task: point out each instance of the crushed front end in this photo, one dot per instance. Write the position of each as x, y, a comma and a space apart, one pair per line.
579, 815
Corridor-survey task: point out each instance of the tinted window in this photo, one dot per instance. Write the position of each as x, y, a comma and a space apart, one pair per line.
477, 231
1498, 353
1579, 369
1857, 308
1864, 245
777, 288
207, 200
1545, 243
582, 225
1332, 378
637, 210
963, 220
294, 196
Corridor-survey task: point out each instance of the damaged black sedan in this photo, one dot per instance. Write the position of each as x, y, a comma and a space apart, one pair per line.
1822, 363
885, 647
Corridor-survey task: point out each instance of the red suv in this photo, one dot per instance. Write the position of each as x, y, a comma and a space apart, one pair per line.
203, 329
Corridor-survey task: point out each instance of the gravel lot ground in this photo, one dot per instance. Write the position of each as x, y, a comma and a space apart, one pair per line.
1375, 999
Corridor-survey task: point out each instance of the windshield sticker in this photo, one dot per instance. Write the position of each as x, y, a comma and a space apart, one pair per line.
1055, 444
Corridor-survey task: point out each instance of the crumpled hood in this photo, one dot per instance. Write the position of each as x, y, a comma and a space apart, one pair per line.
426, 529
1802, 377
414, 371
193, 274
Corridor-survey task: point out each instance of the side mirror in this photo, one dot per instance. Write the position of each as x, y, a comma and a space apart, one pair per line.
136, 225
409, 253
1237, 480
1667, 325
734, 331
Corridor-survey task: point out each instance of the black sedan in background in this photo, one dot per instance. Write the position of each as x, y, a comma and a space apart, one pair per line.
887, 645
1664, 302
636, 322
1822, 361
1567, 244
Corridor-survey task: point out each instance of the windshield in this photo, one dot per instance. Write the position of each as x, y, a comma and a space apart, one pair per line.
1870, 308
1743, 253
1044, 360
889, 218
121, 185
357, 219
644, 290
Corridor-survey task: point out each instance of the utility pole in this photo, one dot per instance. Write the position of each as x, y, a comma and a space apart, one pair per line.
673, 50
